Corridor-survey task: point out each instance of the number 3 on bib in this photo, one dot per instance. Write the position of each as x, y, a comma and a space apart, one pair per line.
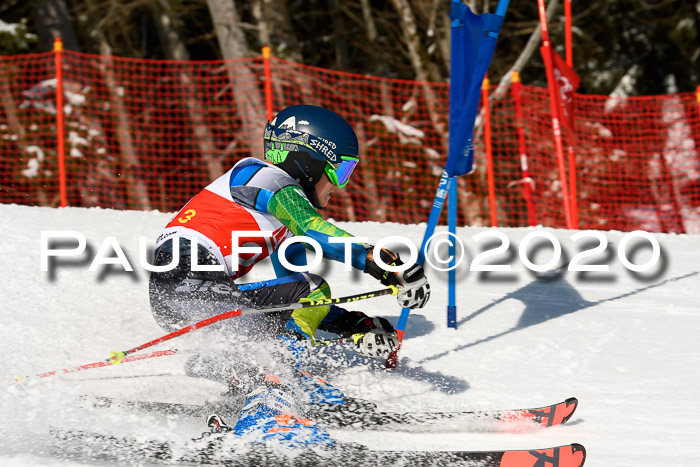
189, 214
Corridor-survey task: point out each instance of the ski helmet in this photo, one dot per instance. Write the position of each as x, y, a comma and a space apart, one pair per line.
307, 141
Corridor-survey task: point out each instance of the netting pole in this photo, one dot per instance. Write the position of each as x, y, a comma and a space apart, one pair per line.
556, 129
268, 82
527, 181
60, 143
572, 184
567, 33
489, 151
572, 155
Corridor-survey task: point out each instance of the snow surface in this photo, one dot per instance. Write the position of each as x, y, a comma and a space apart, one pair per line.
624, 344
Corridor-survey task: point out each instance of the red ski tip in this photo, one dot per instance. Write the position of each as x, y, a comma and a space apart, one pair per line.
550, 415
573, 455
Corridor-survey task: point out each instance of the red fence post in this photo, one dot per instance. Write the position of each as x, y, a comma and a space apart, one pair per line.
572, 155
268, 82
489, 152
548, 65
567, 33
572, 186
527, 181
60, 129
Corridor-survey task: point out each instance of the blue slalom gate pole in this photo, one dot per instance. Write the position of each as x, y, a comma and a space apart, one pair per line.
501, 8
452, 277
472, 44
435, 211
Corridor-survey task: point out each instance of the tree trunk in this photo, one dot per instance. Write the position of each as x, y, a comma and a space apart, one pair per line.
410, 32
341, 45
137, 196
250, 107
52, 20
171, 41
411, 38
228, 30
370, 26
277, 16
262, 23
444, 40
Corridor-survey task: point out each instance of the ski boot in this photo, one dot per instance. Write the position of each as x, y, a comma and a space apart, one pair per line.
272, 413
217, 425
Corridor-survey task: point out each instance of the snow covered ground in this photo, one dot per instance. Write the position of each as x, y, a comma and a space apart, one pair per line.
625, 344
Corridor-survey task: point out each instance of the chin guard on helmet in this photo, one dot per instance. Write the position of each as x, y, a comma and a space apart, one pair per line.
306, 170
303, 167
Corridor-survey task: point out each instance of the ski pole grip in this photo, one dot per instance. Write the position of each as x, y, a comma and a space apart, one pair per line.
116, 357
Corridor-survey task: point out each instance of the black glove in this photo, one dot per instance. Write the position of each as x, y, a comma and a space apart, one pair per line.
376, 343
375, 337
356, 322
366, 324
414, 290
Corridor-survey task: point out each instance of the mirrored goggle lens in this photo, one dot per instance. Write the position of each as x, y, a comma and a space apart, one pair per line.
345, 169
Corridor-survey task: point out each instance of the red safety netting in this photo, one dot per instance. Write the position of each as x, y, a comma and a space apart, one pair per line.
28, 130
637, 162
143, 134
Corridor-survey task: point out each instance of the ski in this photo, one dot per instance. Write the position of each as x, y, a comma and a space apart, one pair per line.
225, 449
344, 416
356, 413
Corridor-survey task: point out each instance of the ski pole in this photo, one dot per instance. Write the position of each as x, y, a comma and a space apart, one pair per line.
102, 363
157, 353
117, 357
121, 357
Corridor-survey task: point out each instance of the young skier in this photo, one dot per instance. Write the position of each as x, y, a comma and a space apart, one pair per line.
310, 152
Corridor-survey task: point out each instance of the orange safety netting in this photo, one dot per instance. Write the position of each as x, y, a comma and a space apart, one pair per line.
143, 134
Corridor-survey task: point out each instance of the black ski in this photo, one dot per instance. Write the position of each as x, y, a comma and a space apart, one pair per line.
356, 413
346, 416
225, 449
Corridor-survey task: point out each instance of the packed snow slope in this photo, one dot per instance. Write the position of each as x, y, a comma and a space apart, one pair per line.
624, 343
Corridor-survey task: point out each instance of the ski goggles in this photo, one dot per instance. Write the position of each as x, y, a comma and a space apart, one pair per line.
340, 175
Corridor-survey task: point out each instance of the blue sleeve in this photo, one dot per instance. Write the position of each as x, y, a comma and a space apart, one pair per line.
295, 254
336, 251
334, 313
